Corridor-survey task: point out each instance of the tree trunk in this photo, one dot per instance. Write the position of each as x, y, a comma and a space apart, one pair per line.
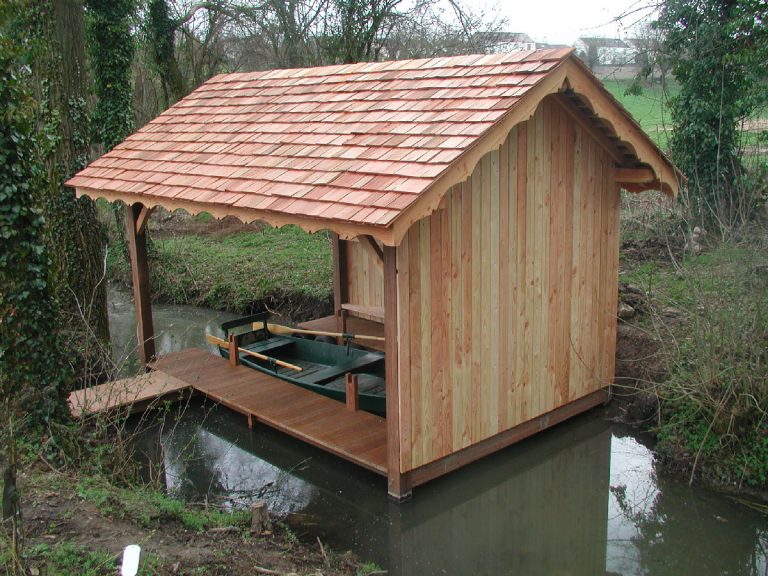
74, 235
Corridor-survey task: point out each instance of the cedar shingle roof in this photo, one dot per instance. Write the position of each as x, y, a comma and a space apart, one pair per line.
353, 143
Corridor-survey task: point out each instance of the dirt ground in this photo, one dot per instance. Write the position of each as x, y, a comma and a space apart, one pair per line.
53, 513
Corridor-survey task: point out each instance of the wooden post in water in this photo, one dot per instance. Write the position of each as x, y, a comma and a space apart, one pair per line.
353, 399
234, 353
340, 280
398, 485
136, 216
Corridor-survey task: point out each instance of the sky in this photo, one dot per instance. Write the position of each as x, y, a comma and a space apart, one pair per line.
563, 21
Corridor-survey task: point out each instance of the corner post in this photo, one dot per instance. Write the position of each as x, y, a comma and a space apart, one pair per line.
135, 231
397, 483
340, 295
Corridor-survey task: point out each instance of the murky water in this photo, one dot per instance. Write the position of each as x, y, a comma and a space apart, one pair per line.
581, 499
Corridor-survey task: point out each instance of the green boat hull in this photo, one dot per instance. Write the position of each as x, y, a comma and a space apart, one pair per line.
324, 366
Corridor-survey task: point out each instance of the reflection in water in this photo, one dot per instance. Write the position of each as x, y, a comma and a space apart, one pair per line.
581, 499
176, 328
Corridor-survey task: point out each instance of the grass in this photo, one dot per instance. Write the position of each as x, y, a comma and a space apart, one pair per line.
648, 108
282, 268
149, 508
68, 559
713, 416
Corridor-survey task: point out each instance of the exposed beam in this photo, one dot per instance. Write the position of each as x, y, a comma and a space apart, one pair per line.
370, 245
137, 248
142, 218
587, 125
633, 176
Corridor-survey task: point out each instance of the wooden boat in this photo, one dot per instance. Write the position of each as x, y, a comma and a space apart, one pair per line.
313, 364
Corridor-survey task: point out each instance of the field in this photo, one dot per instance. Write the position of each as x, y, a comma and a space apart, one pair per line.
649, 108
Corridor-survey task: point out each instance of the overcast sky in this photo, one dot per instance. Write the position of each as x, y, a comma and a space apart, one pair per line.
563, 21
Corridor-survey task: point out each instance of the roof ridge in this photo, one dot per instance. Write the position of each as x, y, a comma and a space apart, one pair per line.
460, 61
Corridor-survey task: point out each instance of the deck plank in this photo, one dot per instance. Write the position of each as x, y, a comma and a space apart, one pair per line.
132, 392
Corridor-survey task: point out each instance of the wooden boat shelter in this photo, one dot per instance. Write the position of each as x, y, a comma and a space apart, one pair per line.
473, 203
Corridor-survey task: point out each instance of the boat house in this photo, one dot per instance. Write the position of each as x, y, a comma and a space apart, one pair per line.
473, 203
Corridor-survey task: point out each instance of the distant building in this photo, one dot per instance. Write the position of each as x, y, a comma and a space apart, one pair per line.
605, 51
499, 42
620, 59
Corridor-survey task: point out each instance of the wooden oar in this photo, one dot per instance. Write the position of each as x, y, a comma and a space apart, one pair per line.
278, 329
224, 344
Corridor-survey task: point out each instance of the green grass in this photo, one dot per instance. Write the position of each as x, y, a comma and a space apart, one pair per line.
648, 108
284, 268
150, 508
68, 559
714, 399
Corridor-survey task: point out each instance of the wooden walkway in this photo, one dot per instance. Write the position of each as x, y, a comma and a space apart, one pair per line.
356, 436
355, 325
135, 393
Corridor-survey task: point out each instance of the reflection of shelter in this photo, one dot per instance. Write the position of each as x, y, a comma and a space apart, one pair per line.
474, 206
543, 511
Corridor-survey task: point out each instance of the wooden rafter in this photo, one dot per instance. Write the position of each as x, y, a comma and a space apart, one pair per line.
370, 245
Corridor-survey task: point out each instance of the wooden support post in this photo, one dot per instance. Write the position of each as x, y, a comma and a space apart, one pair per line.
250, 421
353, 399
234, 353
340, 281
137, 247
397, 483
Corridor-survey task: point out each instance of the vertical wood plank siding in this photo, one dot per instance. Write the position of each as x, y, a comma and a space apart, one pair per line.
365, 278
507, 293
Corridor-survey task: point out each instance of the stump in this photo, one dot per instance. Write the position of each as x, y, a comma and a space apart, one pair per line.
260, 517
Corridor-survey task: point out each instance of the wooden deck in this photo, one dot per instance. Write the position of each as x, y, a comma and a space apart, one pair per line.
355, 325
135, 393
359, 437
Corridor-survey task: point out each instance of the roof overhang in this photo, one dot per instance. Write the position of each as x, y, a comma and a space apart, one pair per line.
652, 170
645, 167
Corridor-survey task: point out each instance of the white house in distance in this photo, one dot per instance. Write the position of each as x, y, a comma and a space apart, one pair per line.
506, 42
612, 57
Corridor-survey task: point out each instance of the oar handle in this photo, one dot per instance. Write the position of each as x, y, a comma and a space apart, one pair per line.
224, 344
277, 328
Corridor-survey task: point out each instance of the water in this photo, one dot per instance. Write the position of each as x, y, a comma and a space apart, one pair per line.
583, 498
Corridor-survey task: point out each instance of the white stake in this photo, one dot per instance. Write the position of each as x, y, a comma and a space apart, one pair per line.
131, 556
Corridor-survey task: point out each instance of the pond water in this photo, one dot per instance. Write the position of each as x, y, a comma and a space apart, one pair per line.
583, 498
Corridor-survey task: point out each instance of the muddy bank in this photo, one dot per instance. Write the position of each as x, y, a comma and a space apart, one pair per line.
73, 524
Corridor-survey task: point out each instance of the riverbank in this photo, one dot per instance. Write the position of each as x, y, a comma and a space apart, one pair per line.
235, 267
692, 358
78, 524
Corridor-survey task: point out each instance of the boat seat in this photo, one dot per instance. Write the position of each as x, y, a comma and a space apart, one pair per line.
271, 345
333, 372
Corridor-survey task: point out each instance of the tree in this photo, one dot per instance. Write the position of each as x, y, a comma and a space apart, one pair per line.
110, 48
33, 371
75, 238
717, 50
161, 39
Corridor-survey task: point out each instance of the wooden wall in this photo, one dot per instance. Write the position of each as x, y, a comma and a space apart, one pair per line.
365, 278
507, 294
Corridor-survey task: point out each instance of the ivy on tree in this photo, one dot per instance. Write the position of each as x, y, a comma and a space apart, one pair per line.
33, 372
718, 51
